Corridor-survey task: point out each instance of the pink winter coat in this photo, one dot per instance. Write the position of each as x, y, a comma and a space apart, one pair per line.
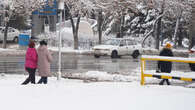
31, 58
44, 60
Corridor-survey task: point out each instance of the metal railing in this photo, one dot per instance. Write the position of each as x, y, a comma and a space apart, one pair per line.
144, 58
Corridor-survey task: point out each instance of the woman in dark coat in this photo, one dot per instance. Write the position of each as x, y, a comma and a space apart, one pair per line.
165, 66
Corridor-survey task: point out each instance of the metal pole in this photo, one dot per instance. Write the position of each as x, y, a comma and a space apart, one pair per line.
60, 45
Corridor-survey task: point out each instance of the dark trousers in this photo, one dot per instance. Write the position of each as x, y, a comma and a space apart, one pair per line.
43, 80
163, 80
31, 77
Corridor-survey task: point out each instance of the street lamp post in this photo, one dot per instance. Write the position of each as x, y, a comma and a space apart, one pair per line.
61, 8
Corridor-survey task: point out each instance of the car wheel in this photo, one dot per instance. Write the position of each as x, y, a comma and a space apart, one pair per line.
96, 56
114, 54
135, 54
192, 66
15, 39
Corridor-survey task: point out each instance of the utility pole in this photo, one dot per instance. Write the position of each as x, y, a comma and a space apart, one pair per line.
61, 8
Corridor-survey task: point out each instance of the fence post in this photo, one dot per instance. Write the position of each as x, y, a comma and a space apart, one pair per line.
142, 71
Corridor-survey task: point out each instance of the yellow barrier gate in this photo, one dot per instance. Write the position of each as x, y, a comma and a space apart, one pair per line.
162, 58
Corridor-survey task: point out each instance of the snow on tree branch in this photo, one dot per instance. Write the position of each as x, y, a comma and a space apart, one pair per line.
80, 7
20, 7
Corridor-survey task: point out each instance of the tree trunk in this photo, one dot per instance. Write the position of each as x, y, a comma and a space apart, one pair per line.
158, 28
5, 35
158, 32
100, 20
76, 44
192, 27
180, 36
122, 23
175, 33
75, 31
76, 35
191, 34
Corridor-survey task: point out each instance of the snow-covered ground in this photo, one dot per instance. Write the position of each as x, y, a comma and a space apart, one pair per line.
69, 94
70, 50
12, 49
113, 92
2, 50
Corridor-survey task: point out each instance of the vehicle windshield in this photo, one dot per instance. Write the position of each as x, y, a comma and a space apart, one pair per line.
112, 42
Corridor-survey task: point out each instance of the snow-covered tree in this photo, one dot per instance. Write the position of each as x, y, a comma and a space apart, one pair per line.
142, 17
78, 9
113, 12
18, 7
178, 13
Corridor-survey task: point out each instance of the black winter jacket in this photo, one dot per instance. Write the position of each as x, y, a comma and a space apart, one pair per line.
165, 66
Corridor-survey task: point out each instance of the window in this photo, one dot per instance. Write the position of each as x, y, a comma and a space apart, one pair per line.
131, 42
112, 42
123, 43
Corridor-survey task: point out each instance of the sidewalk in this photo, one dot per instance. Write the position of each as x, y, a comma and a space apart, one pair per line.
76, 95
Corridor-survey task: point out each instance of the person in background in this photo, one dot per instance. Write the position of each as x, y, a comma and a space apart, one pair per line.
31, 63
44, 60
165, 66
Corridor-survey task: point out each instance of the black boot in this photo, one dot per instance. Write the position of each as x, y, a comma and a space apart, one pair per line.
26, 81
161, 82
32, 78
45, 80
168, 83
40, 81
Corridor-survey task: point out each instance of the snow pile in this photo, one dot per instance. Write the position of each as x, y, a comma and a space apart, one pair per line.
2, 50
105, 76
190, 85
100, 76
71, 50
10, 51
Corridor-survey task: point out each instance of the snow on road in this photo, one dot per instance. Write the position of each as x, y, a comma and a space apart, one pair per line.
75, 95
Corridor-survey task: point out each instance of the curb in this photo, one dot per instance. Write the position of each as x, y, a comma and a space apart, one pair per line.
88, 52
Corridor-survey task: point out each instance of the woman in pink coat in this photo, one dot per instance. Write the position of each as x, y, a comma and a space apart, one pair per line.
31, 63
44, 60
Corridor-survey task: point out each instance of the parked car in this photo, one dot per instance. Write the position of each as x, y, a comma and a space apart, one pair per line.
117, 47
192, 55
12, 34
